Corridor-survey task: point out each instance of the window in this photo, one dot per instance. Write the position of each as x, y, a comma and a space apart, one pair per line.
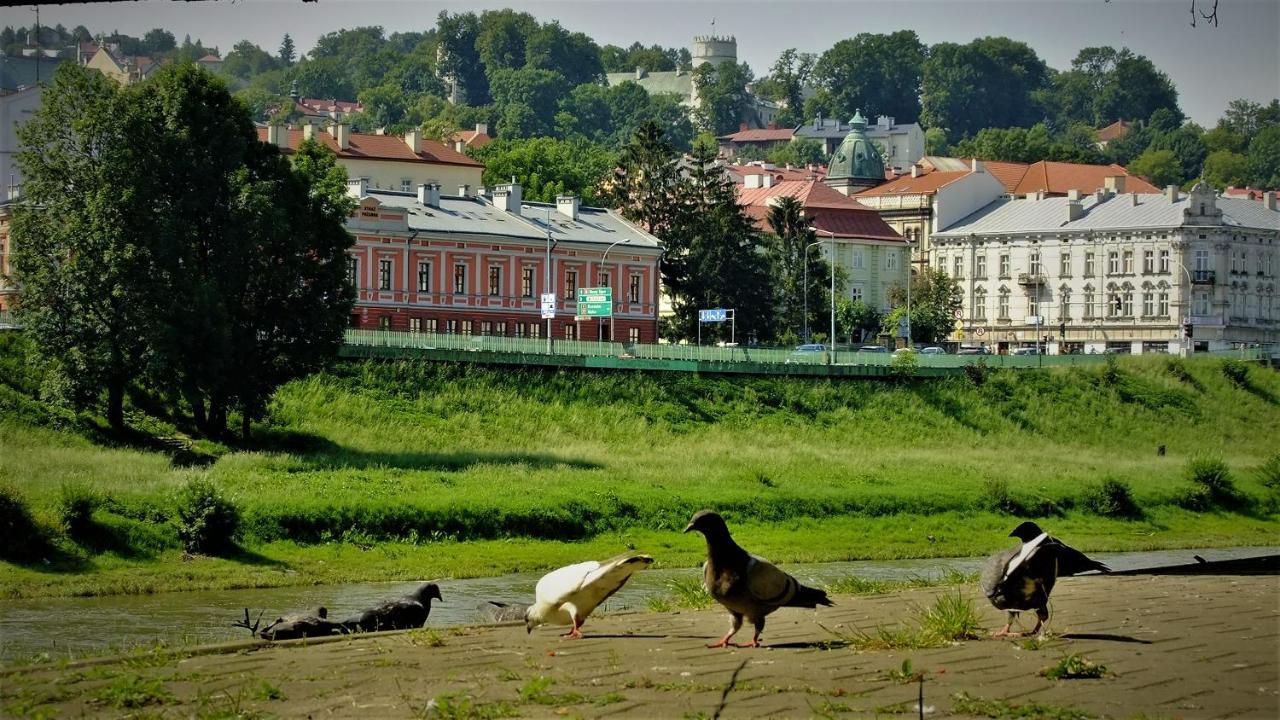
1064, 264
424, 277
1114, 304
467, 327
959, 267
415, 325
1064, 305
1089, 299
859, 259
384, 274
1126, 306
384, 322
633, 294
500, 328
1127, 268
604, 278
980, 305
855, 293
1002, 311
451, 326
570, 332
1034, 266
535, 330
353, 271
1202, 260
406, 185
1089, 268
526, 282
1148, 304
570, 284
1148, 261
459, 279
891, 260
495, 281
1164, 261
1200, 304
942, 263
1004, 265
486, 327
1033, 305
633, 335
432, 325
980, 267
519, 329
1163, 306
1113, 263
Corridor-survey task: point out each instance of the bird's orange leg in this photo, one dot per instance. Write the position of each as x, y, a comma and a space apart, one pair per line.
733, 628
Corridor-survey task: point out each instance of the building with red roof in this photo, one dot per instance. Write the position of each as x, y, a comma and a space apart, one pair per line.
762, 139
477, 138
1114, 131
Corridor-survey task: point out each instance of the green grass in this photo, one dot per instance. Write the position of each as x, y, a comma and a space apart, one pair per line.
387, 470
1073, 667
964, 703
952, 617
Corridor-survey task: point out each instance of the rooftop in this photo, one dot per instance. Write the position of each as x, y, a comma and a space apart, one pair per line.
1114, 130
922, 184
829, 210
760, 135
1044, 176
380, 147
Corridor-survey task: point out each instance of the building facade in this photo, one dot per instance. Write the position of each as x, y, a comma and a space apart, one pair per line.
1120, 272
478, 265
900, 144
855, 165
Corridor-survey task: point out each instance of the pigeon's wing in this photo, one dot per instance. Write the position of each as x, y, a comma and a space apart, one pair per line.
600, 584
1073, 562
994, 571
556, 586
767, 585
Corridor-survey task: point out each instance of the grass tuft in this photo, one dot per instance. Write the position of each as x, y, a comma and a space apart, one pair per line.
1073, 666
133, 691
951, 618
965, 704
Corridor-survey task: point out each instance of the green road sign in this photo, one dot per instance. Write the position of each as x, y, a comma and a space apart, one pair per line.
595, 302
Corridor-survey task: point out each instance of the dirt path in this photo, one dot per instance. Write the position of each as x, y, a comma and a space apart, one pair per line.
1174, 646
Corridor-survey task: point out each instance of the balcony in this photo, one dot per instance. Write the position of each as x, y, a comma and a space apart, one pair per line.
1030, 280
1202, 277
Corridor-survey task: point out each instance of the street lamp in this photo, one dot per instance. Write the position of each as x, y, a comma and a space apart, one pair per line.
805, 289
1184, 346
600, 321
546, 275
831, 270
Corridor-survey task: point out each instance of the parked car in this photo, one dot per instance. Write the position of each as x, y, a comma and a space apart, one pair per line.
1026, 351
933, 351
904, 351
971, 350
873, 349
810, 348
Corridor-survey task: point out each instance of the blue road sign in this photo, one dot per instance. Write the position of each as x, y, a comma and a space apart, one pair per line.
713, 315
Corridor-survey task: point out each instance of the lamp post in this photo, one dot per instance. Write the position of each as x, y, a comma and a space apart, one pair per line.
1184, 346
805, 289
546, 275
600, 323
831, 271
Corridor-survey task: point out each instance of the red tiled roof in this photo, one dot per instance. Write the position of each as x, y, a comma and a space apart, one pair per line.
780, 174
907, 185
471, 138
829, 210
210, 58
319, 105
362, 146
760, 135
1245, 192
1057, 178
1113, 131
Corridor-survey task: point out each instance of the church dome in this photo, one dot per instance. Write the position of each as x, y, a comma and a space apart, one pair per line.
857, 159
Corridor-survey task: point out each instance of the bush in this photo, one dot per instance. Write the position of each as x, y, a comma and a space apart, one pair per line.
1237, 371
1268, 475
977, 372
76, 504
905, 365
23, 539
1211, 486
207, 522
1111, 498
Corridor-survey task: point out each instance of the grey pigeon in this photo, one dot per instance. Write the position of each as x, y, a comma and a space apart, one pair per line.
291, 627
1022, 577
403, 614
748, 586
498, 612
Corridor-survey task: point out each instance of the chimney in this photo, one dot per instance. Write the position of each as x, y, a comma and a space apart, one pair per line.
773, 126
507, 197
1100, 196
1269, 199
1133, 198
1114, 183
1075, 210
915, 170
413, 139
768, 180
464, 191
459, 146
308, 131
639, 72
357, 187
976, 167
1073, 194
817, 121
884, 121
482, 128
1171, 192
342, 134
751, 181
568, 206
429, 194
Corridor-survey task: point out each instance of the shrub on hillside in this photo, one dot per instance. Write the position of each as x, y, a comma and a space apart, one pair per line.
1268, 475
23, 538
207, 521
1111, 498
1211, 486
76, 504
977, 372
1237, 371
905, 365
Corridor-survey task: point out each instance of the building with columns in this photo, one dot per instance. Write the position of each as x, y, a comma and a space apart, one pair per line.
478, 264
1123, 272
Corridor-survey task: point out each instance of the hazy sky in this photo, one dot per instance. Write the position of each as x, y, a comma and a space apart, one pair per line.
1210, 66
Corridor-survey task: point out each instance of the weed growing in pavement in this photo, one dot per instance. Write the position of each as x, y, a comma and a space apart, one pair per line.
965, 704
538, 690
1073, 667
455, 706
951, 618
425, 637
132, 691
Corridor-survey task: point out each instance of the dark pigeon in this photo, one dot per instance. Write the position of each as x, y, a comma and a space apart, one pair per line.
1022, 577
748, 586
403, 614
497, 612
292, 627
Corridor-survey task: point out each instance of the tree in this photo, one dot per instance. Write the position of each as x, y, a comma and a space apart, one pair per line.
158, 41
935, 141
1223, 168
1159, 167
723, 101
575, 56
935, 300
324, 77
459, 59
654, 58
644, 187
789, 255
385, 106
246, 60
525, 101
287, 54
797, 153
82, 260
786, 81
547, 167
1186, 146
1105, 85
879, 74
991, 82
1264, 158
857, 320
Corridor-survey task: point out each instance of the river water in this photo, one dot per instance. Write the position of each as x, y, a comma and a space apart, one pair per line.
72, 627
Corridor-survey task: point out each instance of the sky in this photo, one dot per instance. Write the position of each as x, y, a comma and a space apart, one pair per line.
1240, 58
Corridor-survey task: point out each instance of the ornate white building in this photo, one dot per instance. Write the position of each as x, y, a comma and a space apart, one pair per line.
1124, 272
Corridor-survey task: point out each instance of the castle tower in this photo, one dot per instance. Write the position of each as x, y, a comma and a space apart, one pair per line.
714, 49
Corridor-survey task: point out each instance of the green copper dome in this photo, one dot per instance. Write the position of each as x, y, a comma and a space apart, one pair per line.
857, 157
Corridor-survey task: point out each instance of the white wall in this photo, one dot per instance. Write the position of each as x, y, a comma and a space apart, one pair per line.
15, 110
960, 198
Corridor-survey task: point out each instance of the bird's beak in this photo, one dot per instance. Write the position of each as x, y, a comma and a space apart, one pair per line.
688, 527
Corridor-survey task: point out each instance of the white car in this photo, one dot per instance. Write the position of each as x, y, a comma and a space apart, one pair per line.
1026, 351
932, 351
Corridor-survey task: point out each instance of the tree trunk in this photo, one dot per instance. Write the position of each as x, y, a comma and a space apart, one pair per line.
115, 403
245, 424
217, 417
196, 400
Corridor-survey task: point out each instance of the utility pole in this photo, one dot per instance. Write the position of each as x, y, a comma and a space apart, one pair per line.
603, 266
805, 289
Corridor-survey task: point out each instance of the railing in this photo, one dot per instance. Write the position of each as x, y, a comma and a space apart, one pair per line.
1202, 277
8, 321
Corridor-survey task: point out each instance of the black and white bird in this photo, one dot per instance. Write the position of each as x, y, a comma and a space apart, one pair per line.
746, 585
1022, 577
292, 627
402, 614
568, 595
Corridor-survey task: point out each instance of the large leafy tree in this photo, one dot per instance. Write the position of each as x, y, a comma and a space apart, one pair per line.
791, 72
878, 74
502, 38
790, 251
935, 299
573, 55
1105, 85
1159, 167
723, 101
1264, 158
246, 60
547, 167
459, 59
991, 82
525, 101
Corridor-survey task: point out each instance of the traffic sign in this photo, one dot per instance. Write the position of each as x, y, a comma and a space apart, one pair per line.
548, 306
980, 332
902, 327
595, 302
713, 315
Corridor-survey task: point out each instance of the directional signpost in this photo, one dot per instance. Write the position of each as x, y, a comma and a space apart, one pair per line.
595, 303
718, 315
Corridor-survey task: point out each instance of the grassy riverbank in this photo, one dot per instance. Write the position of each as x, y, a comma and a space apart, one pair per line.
405, 470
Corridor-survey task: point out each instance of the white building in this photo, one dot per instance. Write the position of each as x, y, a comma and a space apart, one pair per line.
1123, 272
15, 110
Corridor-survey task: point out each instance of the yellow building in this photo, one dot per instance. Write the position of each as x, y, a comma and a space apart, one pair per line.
123, 69
386, 162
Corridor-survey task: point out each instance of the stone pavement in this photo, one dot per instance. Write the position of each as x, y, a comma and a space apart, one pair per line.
1175, 646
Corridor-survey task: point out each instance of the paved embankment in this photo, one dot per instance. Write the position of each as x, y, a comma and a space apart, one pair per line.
1186, 646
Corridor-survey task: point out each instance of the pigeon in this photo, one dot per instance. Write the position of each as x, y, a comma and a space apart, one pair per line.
568, 595
498, 612
291, 627
1022, 577
407, 612
748, 586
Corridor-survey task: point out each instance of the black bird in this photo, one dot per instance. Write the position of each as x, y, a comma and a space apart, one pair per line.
291, 627
748, 586
403, 614
1022, 577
